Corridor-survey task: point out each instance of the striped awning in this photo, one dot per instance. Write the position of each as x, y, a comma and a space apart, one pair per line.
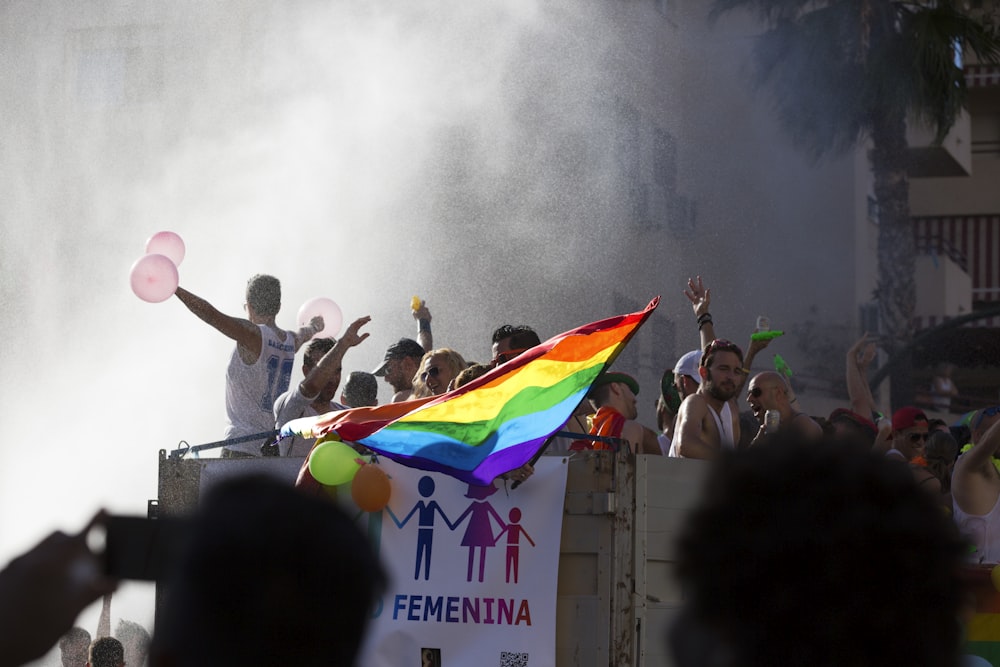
975, 239
981, 76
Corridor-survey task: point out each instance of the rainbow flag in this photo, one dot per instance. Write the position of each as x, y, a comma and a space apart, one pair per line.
495, 423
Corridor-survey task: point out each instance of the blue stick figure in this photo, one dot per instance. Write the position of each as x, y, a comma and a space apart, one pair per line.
425, 533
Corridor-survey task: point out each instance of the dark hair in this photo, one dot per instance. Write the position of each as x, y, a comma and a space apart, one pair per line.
315, 350
521, 335
817, 555
264, 294
471, 373
856, 425
106, 652
719, 345
360, 389
270, 576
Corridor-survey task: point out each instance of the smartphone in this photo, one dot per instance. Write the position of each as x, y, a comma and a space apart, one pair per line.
141, 548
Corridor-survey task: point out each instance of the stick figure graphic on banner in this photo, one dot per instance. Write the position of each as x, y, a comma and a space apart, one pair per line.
514, 532
479, 532
425, 533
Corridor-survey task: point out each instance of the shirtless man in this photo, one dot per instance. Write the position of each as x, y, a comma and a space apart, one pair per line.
975, 487
709, 419
769, 391
613, 396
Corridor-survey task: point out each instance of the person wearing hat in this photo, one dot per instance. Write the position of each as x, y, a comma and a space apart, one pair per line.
685, 376
909, 433
613, 396
401, 362
675, 386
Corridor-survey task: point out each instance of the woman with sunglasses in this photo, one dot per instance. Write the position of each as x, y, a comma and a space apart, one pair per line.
437, 368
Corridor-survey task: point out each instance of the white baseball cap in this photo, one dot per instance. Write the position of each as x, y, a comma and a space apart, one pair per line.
688, 365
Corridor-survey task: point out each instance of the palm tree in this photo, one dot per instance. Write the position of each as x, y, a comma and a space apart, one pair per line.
846, 72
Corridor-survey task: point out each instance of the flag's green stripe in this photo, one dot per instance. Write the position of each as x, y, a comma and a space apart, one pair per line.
531, 400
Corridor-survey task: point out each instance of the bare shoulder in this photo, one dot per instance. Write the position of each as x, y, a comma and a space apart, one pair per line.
694, 404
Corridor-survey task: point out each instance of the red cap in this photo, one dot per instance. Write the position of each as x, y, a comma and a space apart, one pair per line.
906, 417
847, 415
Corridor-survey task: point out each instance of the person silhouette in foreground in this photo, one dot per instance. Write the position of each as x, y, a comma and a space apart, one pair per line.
43, 591
818, 556
269, 576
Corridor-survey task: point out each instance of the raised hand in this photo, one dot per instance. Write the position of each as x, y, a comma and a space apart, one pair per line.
351, 336
699, 297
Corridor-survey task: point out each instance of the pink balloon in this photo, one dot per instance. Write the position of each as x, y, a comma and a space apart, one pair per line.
153, 278
167, 244
325, 308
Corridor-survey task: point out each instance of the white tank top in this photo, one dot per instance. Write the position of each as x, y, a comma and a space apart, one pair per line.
725, 424
724, 420
251, 389
982, 530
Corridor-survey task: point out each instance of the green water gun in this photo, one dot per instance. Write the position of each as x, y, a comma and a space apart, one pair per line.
766, 335
782, 366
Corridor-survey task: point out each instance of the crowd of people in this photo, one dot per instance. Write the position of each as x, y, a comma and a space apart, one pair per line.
699, 411
790, 487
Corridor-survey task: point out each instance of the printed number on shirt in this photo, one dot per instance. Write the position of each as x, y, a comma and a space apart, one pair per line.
277, 381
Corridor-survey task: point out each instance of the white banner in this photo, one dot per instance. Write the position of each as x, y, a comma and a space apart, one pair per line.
473, 570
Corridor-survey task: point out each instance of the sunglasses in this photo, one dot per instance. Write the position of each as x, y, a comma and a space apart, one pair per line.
431, 372
986, 412
917, 437
504, 357
756, 392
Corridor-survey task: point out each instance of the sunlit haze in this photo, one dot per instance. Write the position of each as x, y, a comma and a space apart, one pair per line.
465, 152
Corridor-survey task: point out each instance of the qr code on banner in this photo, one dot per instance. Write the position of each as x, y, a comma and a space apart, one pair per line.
508, 659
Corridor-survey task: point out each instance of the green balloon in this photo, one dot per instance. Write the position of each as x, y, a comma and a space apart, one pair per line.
333, 463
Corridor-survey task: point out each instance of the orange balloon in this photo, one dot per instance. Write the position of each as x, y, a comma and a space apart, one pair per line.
370, 488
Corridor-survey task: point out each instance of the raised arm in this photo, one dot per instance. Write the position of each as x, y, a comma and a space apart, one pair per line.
306, 332
983, 451
424, 336
243, 331
859, 357
753, 348
700, 299
330, 363
104, 620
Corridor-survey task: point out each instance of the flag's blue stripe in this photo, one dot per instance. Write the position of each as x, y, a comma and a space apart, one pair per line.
458, 455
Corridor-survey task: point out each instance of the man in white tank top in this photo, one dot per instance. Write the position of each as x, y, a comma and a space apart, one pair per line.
708, 420
975, 487
260, 367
